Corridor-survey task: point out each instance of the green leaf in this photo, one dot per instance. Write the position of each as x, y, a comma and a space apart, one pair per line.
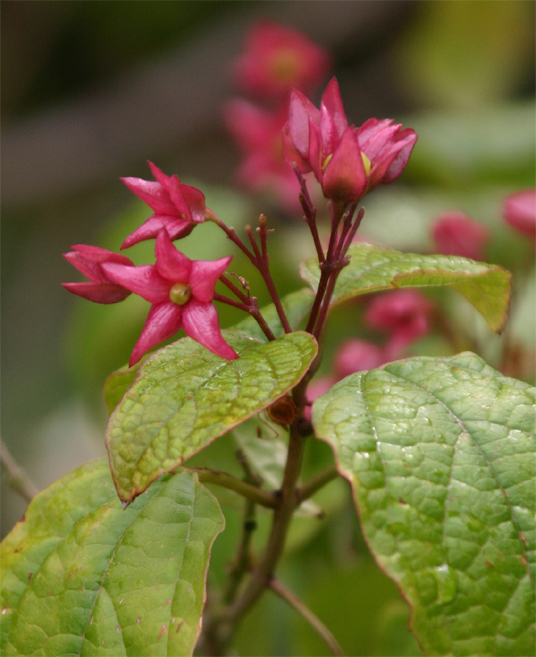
374, 268
118, 383
184, 397
82, 576
440, 454
296, 305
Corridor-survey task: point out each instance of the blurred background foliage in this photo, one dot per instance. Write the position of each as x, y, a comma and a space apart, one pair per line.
91, 90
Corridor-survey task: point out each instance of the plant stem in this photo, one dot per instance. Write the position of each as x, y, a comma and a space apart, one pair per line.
258, 259
17, 479
308, 489
326, 267
250, 307
261, 577
251, 492
309, 212
292, 599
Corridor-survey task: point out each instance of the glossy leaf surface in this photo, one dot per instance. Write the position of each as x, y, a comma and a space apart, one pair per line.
374, 268
82, 576
184, 397
440, 453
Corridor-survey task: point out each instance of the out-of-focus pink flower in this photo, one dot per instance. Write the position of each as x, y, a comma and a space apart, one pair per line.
519, 210
181, 292
455, 233
177, 207
356, 356
89, 260
348, 162
258, 133
316, 389
405, 314
278, 59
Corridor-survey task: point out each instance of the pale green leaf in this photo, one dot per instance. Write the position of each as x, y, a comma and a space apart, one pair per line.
374, 268
440, 453
184, 397
82, 576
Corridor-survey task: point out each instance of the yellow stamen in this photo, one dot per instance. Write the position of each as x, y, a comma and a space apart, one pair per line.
366, 163
180, 293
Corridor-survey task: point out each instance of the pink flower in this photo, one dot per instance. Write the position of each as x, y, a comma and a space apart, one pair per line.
519, 210
405, 314
356, 356
258, 133
177, 207
347, 161
455, 233
181, 292
278, 59
90, 260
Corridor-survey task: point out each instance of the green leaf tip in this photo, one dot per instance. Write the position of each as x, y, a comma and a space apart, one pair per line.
184, 397
82, 576
374, 268
440, 453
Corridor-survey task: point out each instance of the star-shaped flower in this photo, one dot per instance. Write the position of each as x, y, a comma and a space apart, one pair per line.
181, 292
177, 207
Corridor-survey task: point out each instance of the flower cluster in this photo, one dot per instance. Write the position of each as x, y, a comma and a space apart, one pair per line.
180, 290
348, 162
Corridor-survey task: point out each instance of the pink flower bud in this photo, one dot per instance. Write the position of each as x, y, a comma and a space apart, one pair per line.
519, 210
455, 233
348, 162
90, 260
278, 59
177, 207
405, 314
181, 292
356, 356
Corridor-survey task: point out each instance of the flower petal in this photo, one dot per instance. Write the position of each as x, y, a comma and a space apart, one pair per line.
200, 322
151, 193
98, 292
332, 104
345, 177
175, 192
204, 276
162, 178
176, 228
162, 322
88, 260
406, 140
171, 263
196, 202
300, 111
144, 280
